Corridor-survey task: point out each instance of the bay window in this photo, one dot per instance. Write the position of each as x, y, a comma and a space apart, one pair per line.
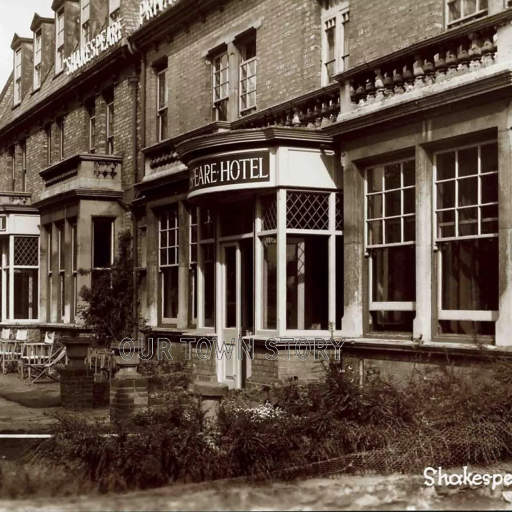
390, 245
466, 201
102, 247
169, 263
20, 277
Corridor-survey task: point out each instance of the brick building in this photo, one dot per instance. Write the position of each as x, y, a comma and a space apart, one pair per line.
326, 166
68, 147
291, 169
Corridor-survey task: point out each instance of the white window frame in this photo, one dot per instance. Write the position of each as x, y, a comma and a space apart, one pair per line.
74, 264
8, 269
201, 244
114, 11
59, 41
161, 106
479, 11
91, 112
452, 314
110, 130
85, 26
379, 305
38, 38
193, 263
245, 64
61, 126
175, 248
17, 76
335, 16
111, 220
217, 84
61, 235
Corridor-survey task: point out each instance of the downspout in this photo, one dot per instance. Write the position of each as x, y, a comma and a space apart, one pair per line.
134, 82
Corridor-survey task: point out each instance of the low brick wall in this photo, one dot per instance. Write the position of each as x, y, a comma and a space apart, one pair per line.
127, 397
76, 388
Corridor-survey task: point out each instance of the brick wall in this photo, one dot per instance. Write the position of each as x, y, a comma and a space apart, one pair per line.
378, 28
288, 50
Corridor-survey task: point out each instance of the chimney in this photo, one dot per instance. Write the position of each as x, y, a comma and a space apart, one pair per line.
44, 41
67, 30
22, 48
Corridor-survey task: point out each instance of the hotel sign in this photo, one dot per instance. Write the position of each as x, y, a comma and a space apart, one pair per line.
241, 168
150, 8
103, 41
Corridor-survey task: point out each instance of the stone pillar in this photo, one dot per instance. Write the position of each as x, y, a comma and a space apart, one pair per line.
422, 327
504, 323
353, 214
76, 379
211, 395
128, 390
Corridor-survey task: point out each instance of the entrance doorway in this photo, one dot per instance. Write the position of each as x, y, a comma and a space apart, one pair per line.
237, 310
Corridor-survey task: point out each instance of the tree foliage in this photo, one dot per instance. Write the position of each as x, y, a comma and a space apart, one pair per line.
110, 300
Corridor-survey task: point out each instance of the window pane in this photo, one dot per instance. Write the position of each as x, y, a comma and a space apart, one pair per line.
489, 188
409, 229
409, 173
445, 165
102, 239
307, 282
209, 284
269, 305
375, 206
469, 7
446, 194
454, 10
468, 221
468, 191
470, 275
375, 232
468, 161
392, 176
339, 281
446, 224
391, 321
393, 203
409, 200
393, 231
394, 274
489, 156
489, 219
230, 287
170, 292
26, 293
375, 179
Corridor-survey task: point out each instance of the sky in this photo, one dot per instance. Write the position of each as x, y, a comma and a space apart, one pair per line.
16, 17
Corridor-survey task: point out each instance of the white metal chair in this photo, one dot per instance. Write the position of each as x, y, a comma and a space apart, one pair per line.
35, 353
10, 349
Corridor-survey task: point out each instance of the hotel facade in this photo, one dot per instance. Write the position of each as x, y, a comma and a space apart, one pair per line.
292, 169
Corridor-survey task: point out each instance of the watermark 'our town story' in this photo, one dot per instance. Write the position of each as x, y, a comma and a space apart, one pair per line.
241, 348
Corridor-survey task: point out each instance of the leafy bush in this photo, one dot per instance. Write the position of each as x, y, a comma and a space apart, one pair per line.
441, 419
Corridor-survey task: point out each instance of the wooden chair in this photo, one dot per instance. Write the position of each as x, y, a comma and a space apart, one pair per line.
101, 360
46, 368
10, 349
35, 352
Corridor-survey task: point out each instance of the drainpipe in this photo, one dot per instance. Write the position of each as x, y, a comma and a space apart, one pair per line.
134, 82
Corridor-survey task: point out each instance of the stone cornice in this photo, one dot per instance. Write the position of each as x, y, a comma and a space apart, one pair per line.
442, 38
170, 144
80, 193
251, 138
164, 179
481, 90
17, 41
